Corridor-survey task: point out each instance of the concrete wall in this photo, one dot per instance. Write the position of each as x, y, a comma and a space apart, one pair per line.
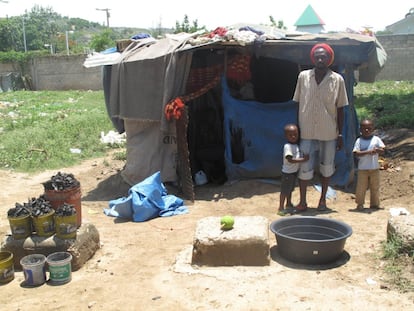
60, 72
65, 73
400, 50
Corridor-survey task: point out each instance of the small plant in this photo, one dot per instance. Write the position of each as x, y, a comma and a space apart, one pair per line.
121, 155
393, 247
399, 260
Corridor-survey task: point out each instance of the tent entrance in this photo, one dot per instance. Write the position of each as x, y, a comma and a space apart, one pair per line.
252, 81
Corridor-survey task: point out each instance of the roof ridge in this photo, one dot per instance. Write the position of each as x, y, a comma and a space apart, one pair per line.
309, 17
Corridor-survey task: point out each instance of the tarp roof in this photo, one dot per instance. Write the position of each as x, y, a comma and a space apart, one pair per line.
364, 52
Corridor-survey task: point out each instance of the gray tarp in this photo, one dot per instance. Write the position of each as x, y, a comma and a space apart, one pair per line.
147, 78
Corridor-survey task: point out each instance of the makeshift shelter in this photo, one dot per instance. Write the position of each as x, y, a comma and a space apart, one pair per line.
216, 104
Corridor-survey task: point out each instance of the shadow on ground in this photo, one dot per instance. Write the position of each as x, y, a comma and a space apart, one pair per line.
275, 256
113, 187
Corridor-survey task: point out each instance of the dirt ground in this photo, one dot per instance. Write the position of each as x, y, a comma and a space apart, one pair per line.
146, 266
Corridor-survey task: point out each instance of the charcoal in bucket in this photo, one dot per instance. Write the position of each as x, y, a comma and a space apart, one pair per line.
65, 221
20, 221
64, 188
42, 216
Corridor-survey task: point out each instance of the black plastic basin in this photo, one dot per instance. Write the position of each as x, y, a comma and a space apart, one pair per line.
310, 240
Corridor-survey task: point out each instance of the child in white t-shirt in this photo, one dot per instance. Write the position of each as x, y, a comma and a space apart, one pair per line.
367, 148
291, 159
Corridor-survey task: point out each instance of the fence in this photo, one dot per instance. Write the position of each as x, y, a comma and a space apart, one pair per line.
400, 51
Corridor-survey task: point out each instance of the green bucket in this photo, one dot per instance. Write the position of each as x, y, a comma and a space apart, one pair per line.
21, 227
60, 267
44, 225
6, 267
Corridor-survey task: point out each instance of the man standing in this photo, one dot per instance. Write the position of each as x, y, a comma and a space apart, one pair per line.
321, 96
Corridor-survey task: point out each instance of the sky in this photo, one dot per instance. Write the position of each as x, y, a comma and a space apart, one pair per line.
337, 15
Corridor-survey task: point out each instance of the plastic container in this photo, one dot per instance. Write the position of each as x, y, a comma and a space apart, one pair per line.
44, 225
66, 226
21, 227
70, 196
34, 269
310, 240
6, 267
60, 267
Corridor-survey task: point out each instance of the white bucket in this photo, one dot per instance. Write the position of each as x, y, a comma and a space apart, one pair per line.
34, 269
60, 267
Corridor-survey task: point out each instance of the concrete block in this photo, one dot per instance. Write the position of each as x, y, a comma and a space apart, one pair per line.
82, 248
247, 244
402, 226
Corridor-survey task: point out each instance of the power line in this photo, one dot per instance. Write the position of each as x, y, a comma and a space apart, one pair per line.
107, 15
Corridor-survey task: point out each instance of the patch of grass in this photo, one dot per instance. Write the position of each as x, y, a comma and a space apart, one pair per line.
399, 261
43, 130
38, 129
388, 103
121, 155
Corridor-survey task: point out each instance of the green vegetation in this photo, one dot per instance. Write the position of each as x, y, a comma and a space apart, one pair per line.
398, 261
42, 29
39, 129
388, 103
185, 26
47, 31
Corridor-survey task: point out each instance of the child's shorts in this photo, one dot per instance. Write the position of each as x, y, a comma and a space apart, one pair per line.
288, 183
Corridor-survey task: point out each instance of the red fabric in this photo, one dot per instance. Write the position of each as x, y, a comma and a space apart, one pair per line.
327, 48
238, 68
174, 109
219, 31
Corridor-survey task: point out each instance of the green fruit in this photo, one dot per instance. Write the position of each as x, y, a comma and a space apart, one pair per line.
227, 222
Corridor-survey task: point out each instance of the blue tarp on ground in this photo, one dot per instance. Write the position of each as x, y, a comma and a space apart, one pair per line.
146, 200
254, 138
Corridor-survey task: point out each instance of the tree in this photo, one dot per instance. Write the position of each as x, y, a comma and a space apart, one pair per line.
42, 26
279, 24
185, 26
103, 40
8, 34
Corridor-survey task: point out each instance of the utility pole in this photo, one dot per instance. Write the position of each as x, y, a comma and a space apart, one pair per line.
107, 15
24, 35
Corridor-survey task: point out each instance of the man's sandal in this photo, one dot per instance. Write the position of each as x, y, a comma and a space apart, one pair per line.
301, 207
322, 208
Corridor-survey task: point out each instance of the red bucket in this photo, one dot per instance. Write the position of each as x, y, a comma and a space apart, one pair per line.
70, 196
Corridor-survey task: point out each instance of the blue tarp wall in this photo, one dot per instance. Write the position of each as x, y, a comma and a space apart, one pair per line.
253, 133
